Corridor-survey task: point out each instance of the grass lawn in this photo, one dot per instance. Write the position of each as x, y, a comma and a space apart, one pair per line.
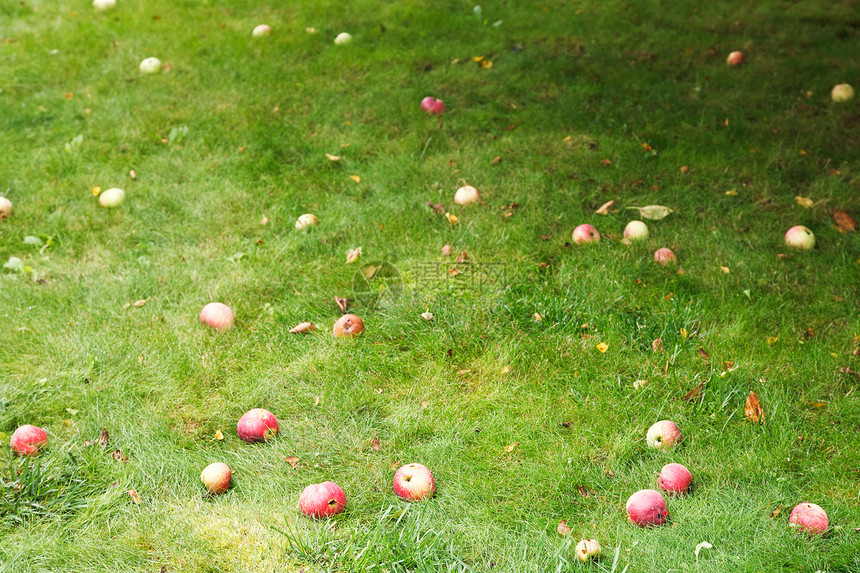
529, 383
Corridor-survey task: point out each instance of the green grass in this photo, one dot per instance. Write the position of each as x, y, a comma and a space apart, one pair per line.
584, 102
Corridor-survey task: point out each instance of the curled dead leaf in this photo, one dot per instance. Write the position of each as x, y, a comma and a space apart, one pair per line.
653, 212
438, 208
694, 394
135, 497
374, 443
453, 219
657, 344
464, 256
140, 303
293, 461
119, 456
844, 221
776, 511
303, 327
446, 250
104, 438
353, 255
804, 201
510, 448
332, 158
342, 303
563, 528
604, 209
427, 315
754, 411
219, 435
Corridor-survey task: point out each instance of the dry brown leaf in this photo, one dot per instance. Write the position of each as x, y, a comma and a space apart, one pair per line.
303, 327
342, 303
537, 317
104, 438
374, 443
438, 208
140, 303
316, 400
583, 491
119, 456
657, 344
703, 354
353, 255
604, 209
845, 221
446, 250
135, 497
776, 511
425, 404
755, 413
496, 160
694, 394
293, 461
464, 256
545, 237
563, 528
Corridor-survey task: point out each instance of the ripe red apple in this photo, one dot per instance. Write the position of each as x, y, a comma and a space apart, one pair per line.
216, 477
800, 237
674, 478
809, 518
842, 92
5, 208
217, 315
735, 58
665, 257
647, 507
432, 105
27, 440
322, 500
414, 482
257, 425
663, 435
348, 326
587, 549
466, 194
585, 233
636, 231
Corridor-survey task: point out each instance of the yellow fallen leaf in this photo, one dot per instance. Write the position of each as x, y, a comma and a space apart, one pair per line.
332, 157
725, 269
486, 64
772, 340
453, 219
353, 255
219, 435
653, 212
684, 333
427, 315
355, 178
135, 497
509, 449
732, 192
563, 528
604, 209
96, 191
603, 347
505, 370
804, 201
753, 409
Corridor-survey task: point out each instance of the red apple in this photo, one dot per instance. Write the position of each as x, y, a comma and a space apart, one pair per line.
217, 315
27, 440
432, 105
585, 234
663, 435
809, 518
216, 477
665, 257
466, 194
735, 58
414, 482
348, 326
674, 478
800, 237
257, 425
5, 208
587, 549
322, 500
647, 507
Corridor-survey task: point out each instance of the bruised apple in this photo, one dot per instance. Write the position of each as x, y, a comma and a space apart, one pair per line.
585, 233
216, 477
322, 500
28, 439
663, 435
348, 326
257, 425
587, 549
665, 256
432, 105
647, 507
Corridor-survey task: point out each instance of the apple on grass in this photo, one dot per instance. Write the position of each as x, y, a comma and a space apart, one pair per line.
432, 105
5, 208
348, 326
663, 435
636, 231
809, 517
218, 316
466, 195
150, 66
587, 549
112, 197
342, 39
585, 233
674, 478
257, 425
261, 31
307, 220
735, 58
842, 92
216, 477
414, 482
321, 500
101, 5
647, 507
800, 237
28, 439
665, 256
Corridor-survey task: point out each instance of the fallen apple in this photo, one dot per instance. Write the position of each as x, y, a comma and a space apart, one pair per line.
101, 5
257, 425
348, 326
261, 31
216, 477
322, 500
674, 478
647, 507
5, 208
809, 517
587, 549
842, 92
28, 439
112, 197
218, 316
342, 39
735, 58
665, 256
636, 231
432, 105
307, 220
585, 233
800, 237
150, 66
414, 482
663, 435
466, 195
